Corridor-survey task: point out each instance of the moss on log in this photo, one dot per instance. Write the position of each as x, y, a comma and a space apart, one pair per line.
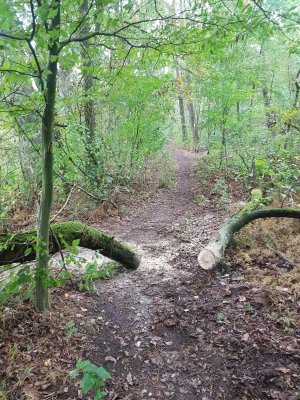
213, 254
19, 247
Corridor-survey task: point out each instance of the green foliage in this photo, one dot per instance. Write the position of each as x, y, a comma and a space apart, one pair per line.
133, 90
200, 199
249, 308
221, 191
71, 329
92, 378
221, 318
167, 174
95, 271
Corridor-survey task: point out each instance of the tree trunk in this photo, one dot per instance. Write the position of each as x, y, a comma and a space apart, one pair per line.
14, 247
223, 153
194, 126
182, 118
269, 121
181, 106
295, 103
89, 105
213, 254
41, 274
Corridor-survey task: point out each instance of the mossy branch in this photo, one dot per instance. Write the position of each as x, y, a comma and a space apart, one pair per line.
19, 247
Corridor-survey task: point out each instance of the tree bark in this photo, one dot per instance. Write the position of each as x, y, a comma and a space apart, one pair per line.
89, 104
181, 105
295, 102
14, 248
213, 254
194, 126
41, 273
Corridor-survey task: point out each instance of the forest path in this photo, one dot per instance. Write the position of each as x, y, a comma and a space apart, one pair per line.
155, 217
149, 343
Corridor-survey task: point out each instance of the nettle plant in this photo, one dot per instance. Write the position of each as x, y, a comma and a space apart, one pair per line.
92, 379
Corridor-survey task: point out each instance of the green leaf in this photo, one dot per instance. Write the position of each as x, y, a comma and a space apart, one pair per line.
87, 383
260, 163
53, 58
75, 242
43, 10
102, 373
28, 251
100, 395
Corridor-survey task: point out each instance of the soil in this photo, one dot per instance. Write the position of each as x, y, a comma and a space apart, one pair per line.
168, 330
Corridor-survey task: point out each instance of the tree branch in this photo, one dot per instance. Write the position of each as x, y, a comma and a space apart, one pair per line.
10, 36
19, 72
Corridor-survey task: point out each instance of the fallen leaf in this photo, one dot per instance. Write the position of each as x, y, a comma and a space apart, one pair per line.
129, 379
170, 322
283, 369
245, 337
110, 358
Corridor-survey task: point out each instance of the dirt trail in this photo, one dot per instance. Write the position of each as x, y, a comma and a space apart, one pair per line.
155, 217
171, 331
137, 313
152, 227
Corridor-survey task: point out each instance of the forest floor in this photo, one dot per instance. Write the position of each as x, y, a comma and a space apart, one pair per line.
170, 330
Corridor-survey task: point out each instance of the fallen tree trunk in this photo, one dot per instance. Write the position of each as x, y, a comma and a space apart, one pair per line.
20, 247
213, 254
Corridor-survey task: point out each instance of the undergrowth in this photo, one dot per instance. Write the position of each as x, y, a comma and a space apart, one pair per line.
277, 175
269, 254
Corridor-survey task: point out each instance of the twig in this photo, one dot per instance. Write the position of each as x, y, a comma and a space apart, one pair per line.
64, 266
64, 206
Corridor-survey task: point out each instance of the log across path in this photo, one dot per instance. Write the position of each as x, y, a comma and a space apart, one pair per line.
20, 247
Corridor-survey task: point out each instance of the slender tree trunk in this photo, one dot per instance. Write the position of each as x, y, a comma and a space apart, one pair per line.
181, 106
89, 104
296, 98
25, 156
252, 94
270, 114
297, 90
223, 153
182, 118
269, 119
41, 275
25, 162
194, 126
